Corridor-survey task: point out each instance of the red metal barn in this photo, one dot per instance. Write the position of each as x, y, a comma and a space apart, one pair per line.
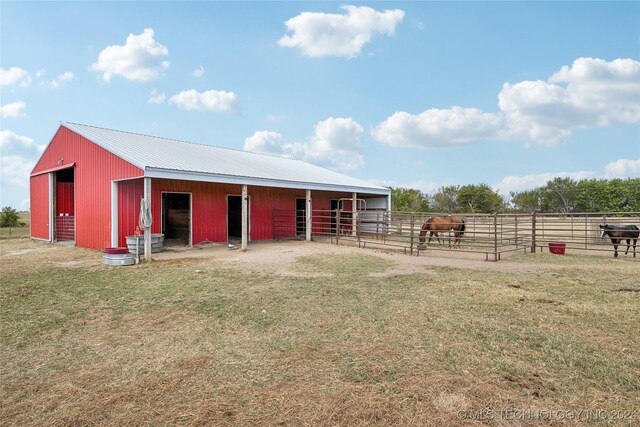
88, 184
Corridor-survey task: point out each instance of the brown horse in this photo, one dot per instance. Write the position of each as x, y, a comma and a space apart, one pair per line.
442, 223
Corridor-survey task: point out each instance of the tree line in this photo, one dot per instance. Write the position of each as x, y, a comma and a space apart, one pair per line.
564, 195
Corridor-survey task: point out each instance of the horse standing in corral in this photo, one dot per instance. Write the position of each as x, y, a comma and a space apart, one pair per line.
442, 223
618, 234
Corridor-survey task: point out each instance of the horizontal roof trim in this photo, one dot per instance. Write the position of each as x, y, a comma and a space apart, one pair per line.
58, 168
258, 182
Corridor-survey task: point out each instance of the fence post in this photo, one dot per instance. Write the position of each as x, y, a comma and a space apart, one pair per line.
533, 232
412, 223
338, 224
586, 232
495, 236
358, 223
516, 234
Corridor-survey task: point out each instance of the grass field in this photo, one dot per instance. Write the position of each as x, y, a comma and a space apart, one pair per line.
337, 336
17, 232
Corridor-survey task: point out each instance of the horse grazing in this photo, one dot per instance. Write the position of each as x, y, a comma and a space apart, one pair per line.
442, 223
617, 234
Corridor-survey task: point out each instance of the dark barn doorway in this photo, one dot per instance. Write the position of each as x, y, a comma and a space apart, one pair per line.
64, 202
176, 218
301, 217
234, 217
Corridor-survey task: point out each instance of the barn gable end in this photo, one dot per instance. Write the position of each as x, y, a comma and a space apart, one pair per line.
93, 168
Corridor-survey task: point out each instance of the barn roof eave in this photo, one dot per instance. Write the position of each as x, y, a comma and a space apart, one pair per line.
151, 172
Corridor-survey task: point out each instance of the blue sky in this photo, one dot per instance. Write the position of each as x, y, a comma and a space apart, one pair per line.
414, 94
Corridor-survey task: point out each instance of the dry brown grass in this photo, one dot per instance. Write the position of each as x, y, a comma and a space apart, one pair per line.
207, 341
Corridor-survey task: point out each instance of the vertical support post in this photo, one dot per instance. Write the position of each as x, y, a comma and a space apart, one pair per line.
308, 217
412, 222
516, 233
245, 218
52, 208
114, 214
338, 224
586, 232
495, 236
354, 213
147, 232
533, 232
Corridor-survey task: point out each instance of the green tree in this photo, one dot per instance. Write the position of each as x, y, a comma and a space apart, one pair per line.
408, 200
559, 195
479, 198
446, 199
8, 217
616, 195
526, 200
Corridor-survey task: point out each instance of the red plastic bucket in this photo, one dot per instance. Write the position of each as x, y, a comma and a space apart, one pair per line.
557, 248
116, 251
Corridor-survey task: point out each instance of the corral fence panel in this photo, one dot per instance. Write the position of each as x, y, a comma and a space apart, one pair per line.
491, 235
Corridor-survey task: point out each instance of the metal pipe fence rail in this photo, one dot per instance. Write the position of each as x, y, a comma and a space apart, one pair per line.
491, 235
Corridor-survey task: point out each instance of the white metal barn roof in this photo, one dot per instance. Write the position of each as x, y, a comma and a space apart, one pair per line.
174, 159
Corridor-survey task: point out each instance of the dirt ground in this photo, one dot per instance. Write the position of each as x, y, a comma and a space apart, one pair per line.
279, 257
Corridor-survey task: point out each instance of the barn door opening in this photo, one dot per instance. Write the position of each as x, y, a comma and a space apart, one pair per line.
301, 217
176, 218
64, 202
234, 217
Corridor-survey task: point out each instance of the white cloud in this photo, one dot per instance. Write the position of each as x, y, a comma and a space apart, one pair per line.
14, 76
19, 154
438, 127
210, 100
141, 58
199, 72
267, 142
12, 110
10, 140
156, 97
326, 34
16, 170
591, 93
335, 144
67, 76
623, 168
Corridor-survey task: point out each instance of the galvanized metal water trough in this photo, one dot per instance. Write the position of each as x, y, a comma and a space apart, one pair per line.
157, 243
117, 257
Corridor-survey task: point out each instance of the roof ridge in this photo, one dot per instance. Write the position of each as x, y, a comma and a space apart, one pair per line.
186, 142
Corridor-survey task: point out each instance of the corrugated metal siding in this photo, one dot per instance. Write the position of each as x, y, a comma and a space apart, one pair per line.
263, 202
209, 206
64, 198
129, 195
95, 169
39, 216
